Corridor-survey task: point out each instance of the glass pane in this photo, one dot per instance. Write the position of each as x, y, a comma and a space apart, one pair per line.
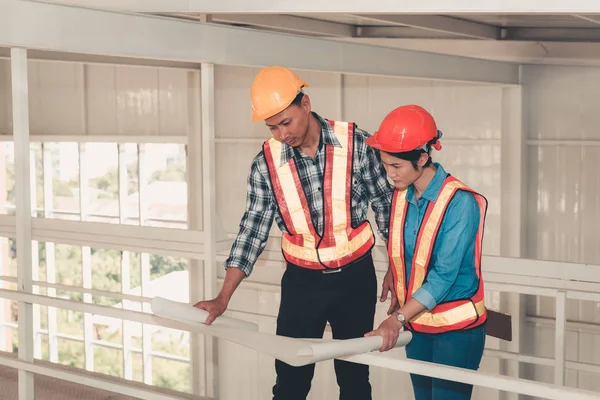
171, 374
131, 209
43, 274
137, 362
102, 168
171, 341
108, 361
65, 180
43, 316
70, 322
68, 265
7, 178
165, 265
106, 273
166, 190
38, 165
45, 347
8, 258
8, 325
71, 353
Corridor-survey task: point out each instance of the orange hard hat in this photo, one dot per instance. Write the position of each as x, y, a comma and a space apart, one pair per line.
406, 128
272, 91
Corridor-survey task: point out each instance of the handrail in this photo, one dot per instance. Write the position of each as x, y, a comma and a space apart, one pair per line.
94, 380
522, 386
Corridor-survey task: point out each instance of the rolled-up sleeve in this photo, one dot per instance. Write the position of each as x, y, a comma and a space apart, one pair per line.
457, 232
380, 190
255, 224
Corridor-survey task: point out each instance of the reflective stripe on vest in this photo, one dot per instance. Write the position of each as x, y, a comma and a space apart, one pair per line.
341, 243
449, 316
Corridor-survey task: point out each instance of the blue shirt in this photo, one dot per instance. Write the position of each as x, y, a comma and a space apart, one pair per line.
451, 274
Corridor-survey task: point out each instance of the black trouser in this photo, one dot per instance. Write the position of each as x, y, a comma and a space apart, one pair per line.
310, 299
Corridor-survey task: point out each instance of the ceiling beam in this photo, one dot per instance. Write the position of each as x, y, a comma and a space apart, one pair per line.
595, 19
526, 52
289, 23
402, 32
554, 34
54, 27
439, 24
349, 6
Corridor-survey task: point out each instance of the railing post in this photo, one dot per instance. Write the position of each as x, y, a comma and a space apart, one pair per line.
560, 338
20, 97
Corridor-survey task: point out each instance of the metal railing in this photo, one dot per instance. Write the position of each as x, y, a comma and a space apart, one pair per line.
559, 280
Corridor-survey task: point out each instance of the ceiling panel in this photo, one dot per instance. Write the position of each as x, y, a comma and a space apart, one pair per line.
346, 19
532, 21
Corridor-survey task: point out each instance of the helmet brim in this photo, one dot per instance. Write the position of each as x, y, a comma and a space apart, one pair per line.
374, 143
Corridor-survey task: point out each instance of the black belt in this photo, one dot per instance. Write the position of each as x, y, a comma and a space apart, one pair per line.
329, 271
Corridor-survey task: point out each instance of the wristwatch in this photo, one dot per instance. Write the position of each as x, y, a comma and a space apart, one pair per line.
401, 318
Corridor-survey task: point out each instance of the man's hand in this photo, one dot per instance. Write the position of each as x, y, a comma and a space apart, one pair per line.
389, 330
215, 307
218, 305
388, 286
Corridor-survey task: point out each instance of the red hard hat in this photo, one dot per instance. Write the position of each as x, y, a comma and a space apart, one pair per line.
406, 128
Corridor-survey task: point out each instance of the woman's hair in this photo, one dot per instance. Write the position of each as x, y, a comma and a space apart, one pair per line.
413, 156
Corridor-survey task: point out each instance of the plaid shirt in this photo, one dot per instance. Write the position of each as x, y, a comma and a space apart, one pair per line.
369, 183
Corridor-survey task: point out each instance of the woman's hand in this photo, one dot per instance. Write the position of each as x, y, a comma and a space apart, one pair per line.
389, 330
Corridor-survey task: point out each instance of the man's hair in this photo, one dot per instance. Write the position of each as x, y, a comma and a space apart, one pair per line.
298, 99
413, 156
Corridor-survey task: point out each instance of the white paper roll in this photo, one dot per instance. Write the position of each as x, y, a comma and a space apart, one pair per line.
181, 311
296, 352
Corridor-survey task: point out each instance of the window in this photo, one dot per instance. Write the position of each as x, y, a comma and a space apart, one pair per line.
100, 182
118, 183
165, 194
100, 190
109, 340
7, 178
8, 309
63, 166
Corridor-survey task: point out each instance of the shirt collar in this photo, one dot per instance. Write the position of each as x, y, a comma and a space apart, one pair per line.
433, 189
327, 137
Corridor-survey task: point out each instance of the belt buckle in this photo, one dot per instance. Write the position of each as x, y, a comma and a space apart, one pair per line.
331, 271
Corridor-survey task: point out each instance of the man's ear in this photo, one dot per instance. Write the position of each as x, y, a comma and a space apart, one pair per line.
306, 106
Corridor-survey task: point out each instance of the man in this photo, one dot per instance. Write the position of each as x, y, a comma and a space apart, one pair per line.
315, 177
435, 240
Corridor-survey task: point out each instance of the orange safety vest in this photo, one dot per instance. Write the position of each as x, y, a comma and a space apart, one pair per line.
341, 243
448, 316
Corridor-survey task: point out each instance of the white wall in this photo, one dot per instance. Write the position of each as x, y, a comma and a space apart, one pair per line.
562, 210
5, 98
563, 201
470, 117
68, 98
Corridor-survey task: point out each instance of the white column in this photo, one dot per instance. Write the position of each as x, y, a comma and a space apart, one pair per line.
560, 338
125, 263
513, 177
195, 214
20, 101
86, 262
35, 263
144, 261
207, 87
50, 253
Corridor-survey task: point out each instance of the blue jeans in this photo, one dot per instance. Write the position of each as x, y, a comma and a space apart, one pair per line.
462, 349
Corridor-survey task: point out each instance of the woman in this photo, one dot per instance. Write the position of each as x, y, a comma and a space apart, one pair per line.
436, 231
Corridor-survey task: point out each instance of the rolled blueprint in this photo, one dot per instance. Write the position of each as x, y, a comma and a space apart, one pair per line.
296, 352
185, 312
